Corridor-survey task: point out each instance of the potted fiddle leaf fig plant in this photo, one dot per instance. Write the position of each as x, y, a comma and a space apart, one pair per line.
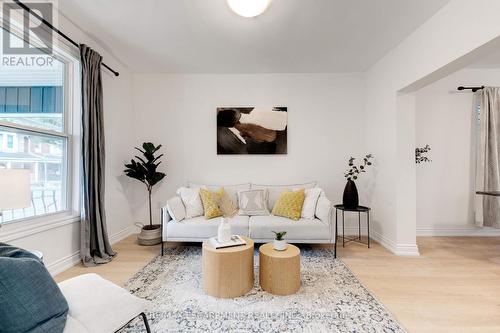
279, 243
144, 169
350, 198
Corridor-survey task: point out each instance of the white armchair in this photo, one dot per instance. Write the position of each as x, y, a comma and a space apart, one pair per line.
99, 306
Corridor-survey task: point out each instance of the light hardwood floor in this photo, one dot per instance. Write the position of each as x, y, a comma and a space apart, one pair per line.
454, 286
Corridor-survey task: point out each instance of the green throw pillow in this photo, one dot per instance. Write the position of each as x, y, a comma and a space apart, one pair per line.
30, 300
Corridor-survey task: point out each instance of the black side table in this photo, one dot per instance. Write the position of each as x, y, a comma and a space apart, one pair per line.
359, 210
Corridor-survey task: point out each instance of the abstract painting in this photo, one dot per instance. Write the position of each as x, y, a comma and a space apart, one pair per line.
252, 130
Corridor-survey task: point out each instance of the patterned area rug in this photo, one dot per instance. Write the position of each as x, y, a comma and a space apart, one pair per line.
330, 299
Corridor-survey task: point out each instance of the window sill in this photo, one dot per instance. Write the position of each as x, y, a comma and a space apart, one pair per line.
25, 228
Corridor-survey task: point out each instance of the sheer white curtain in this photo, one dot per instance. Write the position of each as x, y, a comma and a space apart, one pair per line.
488, 158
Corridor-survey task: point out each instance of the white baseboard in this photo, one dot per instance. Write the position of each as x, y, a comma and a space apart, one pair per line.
469, 230
63, 264
410, 250
397, 249
130, 230
71, 260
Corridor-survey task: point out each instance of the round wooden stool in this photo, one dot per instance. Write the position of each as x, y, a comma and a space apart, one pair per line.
228, 272
279, 272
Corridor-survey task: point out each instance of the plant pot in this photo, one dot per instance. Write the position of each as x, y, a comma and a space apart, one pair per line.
350, 198
279, 245
150, 235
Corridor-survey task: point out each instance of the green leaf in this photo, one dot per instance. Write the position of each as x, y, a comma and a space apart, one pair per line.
144, 168
140, 159
158, 157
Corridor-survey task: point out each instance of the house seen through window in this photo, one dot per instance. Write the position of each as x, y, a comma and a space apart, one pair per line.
34, 134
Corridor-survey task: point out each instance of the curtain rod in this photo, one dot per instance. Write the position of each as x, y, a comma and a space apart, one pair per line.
26, 8
474, 89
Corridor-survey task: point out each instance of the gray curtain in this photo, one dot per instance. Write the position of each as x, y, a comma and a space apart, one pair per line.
488, 158
95, 247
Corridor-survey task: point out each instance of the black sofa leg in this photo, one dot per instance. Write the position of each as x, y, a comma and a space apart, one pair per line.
146, 324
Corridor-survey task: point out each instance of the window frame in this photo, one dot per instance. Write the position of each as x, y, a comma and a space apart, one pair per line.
14, 229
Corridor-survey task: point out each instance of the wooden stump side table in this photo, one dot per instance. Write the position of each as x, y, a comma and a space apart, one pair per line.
228, 272
279, 272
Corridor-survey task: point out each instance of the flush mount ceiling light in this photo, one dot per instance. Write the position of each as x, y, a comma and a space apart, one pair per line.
248, 8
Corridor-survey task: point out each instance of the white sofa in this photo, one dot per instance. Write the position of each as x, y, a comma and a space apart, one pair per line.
321, 229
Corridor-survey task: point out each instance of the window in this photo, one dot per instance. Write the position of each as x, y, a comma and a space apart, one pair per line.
38, 128
10, 141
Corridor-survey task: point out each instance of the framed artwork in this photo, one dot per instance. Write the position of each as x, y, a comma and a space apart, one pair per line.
252, 130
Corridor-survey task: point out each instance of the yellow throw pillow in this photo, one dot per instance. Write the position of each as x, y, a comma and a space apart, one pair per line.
289, 204
211, 201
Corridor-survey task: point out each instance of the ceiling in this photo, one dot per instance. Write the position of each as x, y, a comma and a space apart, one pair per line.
292, 36
489, 60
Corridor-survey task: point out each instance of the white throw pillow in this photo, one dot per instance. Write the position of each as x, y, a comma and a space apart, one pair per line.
253, 202
176, 209
231, 190
274, 191
310, 202
192, 201
323, 209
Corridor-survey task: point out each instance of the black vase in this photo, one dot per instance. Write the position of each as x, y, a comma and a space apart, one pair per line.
350, 198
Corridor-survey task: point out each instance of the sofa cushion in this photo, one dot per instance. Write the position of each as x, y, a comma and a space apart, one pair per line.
290, 204
231, 190
253, 202
99, 305
262, 227
211, 202
200, 228
324, 209
274, 191
192, 201
310, 202
176, 209
30, 300
227, 205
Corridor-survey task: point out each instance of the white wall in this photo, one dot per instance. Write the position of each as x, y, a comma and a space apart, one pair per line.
325, 114
445, 186
446, 42
329, 119
60, 244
